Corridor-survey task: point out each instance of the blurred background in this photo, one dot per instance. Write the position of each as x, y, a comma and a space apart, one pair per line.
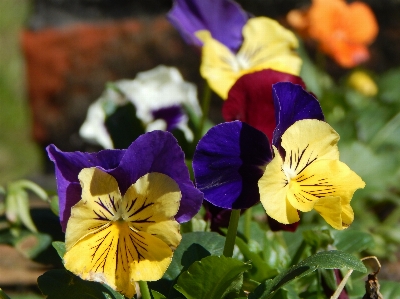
57, 55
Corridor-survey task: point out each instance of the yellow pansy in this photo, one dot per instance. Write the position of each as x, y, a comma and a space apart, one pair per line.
117, 239
266, 44
309, 177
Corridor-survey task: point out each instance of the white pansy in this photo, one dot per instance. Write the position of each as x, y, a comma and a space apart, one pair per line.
150, 91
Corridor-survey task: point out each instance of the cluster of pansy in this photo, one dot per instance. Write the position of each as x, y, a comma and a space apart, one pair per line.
121, 209
235, 168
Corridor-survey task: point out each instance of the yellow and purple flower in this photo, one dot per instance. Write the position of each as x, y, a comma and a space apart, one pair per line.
155, 151
232, 43
309, 175
121, 209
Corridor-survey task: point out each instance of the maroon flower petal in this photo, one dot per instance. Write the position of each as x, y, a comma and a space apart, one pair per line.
251, 100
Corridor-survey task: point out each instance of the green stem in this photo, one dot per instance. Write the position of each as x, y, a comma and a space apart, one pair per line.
205, 107
231, 234
247, 224
296, 258
144, 289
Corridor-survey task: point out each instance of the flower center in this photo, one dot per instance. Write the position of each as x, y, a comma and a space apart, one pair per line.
289, 173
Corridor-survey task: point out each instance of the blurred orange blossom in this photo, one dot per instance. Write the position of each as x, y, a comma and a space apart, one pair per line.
343, 31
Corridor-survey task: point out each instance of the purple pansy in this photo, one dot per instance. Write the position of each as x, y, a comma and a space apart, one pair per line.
231, 158
156, 151
223, 18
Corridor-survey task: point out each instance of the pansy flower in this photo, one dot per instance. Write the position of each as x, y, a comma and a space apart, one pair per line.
155, 151
160, 97
309, 176
119, 239
342, 30
232, 43
266, 45
231, 157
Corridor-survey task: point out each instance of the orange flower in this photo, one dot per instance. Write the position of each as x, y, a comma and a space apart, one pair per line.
342, 30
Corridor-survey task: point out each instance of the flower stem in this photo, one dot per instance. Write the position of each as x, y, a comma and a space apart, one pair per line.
205, 107
247, 224
231, 234
144, 289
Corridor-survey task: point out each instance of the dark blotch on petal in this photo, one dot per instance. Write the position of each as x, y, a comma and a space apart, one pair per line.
228, 162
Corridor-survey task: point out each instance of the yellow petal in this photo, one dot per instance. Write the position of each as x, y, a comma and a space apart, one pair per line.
156, 257
150, 205
98, 206
347, 215
273, 187
105, 257
103, 240
307, 141
323, 178
266, 44
330, 209
219, 65
338, 216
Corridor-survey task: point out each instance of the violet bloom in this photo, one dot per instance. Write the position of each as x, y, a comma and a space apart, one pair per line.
155, 151
231, 158
223, 18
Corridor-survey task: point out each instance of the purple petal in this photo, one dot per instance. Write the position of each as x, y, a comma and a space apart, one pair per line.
292, 103
68, 166
228, 163
152, 152
159, 151
223, 18
172, 115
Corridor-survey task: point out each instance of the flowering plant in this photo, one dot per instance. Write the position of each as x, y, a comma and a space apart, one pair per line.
177, 207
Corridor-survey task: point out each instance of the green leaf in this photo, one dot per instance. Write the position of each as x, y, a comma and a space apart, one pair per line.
322, 260
17, 207
157, 295
31, 245
193, 247
317, 239
3, 295
260, 270
61, 283
60, 248
35, 188
352, 241
390, 289
212, 278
